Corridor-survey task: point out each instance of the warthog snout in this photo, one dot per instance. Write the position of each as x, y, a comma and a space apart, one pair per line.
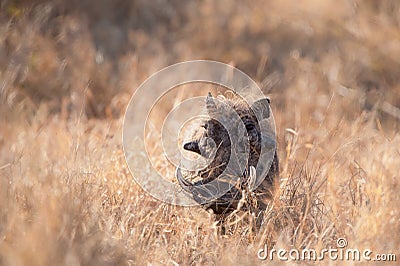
192, 146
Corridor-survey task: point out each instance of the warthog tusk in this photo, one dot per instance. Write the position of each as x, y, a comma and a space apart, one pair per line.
182, 181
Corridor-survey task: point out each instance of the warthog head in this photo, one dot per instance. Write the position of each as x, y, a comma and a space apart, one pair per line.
232, 129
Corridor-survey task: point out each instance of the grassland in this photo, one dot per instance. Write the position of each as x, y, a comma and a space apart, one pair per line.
68, 69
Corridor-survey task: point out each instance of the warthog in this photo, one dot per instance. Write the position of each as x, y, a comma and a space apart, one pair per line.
214, 140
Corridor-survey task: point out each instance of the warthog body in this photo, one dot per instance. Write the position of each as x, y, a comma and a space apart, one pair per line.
225, 116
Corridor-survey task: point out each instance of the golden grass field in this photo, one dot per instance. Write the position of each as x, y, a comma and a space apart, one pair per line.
69, 68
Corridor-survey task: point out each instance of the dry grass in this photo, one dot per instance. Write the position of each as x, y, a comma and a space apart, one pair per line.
66, 195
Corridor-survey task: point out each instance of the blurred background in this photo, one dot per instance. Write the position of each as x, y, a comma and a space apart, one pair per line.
69, 68
93, 54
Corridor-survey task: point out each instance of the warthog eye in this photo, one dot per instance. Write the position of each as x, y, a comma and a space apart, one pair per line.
250, 127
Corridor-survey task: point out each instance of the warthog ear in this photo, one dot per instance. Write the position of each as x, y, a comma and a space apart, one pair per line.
261, 107
211, 106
